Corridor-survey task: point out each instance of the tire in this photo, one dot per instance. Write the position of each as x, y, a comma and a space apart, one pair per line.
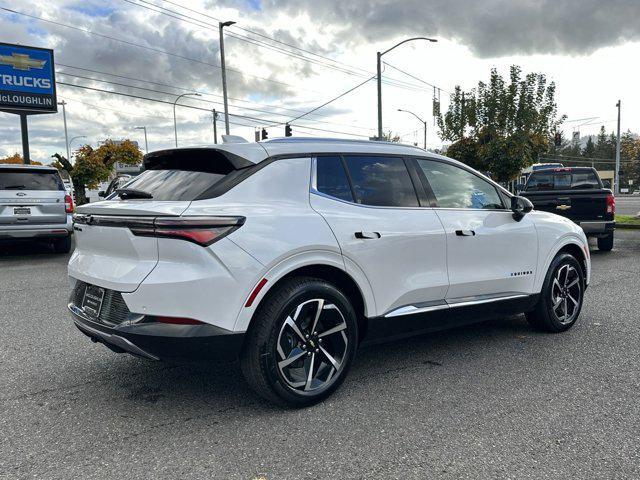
563, 287
277, 356
62, 245
605, 244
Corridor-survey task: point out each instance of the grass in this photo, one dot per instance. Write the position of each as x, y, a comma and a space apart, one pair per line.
627, 220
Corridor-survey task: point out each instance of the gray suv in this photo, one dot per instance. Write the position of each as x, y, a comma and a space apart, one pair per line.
35, 205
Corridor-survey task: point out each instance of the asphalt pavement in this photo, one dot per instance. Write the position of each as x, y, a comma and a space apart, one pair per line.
495, 400
628, 204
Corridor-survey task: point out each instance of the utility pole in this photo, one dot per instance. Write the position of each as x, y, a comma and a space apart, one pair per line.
25, 139
214, 120
616, 176
221, 26
379, 76
66, 134
462, 120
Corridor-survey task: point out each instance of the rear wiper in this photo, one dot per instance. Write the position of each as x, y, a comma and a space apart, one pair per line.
132, 193
15, 187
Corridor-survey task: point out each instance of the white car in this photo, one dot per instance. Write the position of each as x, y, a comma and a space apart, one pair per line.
291, 253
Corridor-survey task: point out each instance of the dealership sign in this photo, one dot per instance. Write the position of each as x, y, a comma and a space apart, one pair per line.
27, 80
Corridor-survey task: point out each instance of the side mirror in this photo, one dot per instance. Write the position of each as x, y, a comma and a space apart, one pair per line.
102, 193
520, 207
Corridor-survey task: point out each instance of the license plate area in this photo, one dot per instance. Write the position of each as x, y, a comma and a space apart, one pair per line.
22, 211
92, 300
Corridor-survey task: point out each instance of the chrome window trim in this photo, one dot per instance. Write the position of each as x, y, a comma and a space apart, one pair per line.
313, 189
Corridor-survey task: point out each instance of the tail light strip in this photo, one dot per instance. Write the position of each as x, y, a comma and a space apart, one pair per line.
200, 230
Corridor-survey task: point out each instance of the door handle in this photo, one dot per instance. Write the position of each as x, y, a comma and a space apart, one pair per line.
465, 233
367, 235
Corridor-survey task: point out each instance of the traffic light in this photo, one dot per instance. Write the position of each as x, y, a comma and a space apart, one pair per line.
287, 130
558, 139
264, 134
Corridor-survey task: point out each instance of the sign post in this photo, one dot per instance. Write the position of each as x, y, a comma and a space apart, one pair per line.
27, 85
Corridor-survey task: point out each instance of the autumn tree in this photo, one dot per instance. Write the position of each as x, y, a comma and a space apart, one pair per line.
93, 166
16, 159
501, 126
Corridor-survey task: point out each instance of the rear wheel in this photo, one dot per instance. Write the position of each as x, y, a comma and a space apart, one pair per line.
605, 244
62, 245
301, 342
561, 297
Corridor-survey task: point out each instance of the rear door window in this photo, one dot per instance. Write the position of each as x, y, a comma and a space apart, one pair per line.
381, 181
331, 178
19, 179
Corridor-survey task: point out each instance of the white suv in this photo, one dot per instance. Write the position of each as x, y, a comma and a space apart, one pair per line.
289, 254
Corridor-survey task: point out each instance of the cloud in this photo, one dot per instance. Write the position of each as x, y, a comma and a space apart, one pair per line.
490, 28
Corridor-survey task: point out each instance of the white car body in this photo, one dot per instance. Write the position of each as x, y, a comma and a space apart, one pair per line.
412, 262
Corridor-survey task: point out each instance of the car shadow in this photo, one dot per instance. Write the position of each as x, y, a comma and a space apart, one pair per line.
221, 387
24, 248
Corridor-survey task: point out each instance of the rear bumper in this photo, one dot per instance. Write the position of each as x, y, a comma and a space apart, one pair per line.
37, 231
158, 341
598, 228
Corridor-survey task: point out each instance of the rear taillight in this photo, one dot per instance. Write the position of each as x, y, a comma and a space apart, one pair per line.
200, 230
68, 203
611, 204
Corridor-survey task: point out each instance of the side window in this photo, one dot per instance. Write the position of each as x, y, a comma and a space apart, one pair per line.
455, 187
331, 178
381, 181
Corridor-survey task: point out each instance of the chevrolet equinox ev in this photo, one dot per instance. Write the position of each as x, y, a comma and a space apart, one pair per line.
290, 253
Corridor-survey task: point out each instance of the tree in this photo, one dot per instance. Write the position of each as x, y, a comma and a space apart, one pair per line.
93, 166
630, 157
16, 159
501, 126
589, 150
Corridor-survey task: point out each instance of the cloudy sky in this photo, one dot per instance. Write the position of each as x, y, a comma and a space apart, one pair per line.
590, 48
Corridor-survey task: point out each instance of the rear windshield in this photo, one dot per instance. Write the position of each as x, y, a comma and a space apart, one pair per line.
183, 176
575, 180
19, 179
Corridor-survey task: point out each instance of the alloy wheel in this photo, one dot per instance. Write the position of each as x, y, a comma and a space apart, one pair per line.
566, 294
312, 345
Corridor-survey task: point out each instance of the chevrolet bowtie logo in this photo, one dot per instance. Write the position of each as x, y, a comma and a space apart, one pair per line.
21, 61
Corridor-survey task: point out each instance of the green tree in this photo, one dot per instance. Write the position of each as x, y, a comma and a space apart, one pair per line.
501, 126
93, 166
589, 150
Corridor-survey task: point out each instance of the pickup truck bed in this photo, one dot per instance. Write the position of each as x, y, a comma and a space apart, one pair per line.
576, 193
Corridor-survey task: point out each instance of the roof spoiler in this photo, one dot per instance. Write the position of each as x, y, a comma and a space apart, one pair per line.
188, 158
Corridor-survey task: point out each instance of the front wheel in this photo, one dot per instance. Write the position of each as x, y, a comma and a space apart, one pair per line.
605, 244
561, 297
301, 342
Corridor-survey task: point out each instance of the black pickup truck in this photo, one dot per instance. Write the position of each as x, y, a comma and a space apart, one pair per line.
578, 194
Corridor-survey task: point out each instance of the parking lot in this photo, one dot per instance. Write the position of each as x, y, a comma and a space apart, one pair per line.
495, 400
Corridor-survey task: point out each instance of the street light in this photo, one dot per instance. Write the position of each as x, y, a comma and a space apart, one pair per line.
221, 25
175, 123
423, 122
379, 61
75, 138
146, 144
66, 134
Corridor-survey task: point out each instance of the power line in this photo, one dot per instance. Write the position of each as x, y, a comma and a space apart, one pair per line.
215, 103
262, 120
417, 78
133, 44
332, 100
